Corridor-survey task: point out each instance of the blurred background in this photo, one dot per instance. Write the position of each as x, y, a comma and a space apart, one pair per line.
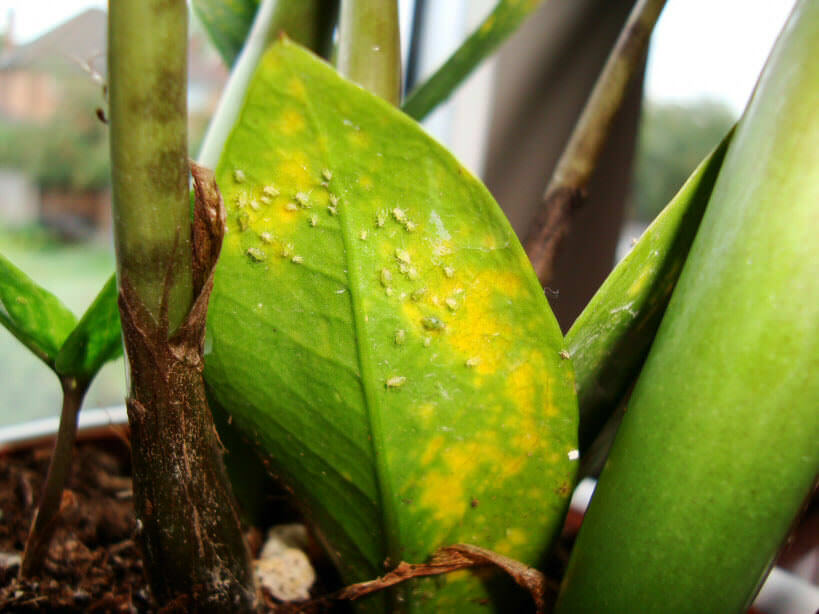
508, 123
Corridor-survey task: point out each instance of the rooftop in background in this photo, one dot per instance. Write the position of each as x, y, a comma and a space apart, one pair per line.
79, 45
80, 39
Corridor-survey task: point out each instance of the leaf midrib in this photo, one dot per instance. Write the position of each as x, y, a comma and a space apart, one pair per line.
390, 535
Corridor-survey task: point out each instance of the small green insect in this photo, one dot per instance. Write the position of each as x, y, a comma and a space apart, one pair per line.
395, 381
433, 323
256, 254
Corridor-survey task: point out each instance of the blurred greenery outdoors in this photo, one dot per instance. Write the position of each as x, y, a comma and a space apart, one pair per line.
70, 152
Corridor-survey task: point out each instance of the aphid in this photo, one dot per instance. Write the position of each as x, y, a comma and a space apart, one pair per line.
297, 260
239, 175
271, 191
400, 215
451, 303
333, 200
380, 219
400, 336
433, 323
427, 342
418, 294
363, 235
403, 268
255, 254
301, 199
241, 200
327, 174
254, 204
402, 255
266, 237
412, 273
265, 199
388, 291
243, 220
449, 272
291, 207
409, 226
386, 277
332, 209
313, 220
564, 354
287, 250
396, 381
473, 362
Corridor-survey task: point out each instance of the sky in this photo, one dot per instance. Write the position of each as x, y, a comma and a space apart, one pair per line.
701, 48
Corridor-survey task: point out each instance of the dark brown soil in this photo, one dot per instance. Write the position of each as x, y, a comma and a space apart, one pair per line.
93, 564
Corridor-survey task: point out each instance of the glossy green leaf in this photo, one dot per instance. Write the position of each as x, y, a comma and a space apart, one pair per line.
610, 339
33, 314
496, 28
227, 23
718, 450
377, 329
95, 340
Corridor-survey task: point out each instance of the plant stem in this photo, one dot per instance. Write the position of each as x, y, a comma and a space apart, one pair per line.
369, 50
566, 190
44, 523
194, 552
147, 63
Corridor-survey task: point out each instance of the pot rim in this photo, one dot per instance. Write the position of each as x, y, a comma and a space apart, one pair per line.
92, 423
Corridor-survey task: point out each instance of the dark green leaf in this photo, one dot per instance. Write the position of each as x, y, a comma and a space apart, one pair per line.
32, 314
95, 340
377, 329
227, 22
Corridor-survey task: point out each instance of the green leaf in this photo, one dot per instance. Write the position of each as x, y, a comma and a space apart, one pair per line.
377, 329
33, 314
95, 340
496, 28
227, 23
610, 339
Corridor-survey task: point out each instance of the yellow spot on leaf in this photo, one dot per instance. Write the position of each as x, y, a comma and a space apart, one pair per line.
290, 122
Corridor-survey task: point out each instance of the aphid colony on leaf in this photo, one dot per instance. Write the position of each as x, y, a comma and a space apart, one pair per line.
403, 258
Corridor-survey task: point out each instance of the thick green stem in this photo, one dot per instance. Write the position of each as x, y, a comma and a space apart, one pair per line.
369, 50
44, 524
566, 190
147, 68
195, 556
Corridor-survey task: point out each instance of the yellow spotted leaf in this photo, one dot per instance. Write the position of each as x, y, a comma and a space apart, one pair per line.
376, 329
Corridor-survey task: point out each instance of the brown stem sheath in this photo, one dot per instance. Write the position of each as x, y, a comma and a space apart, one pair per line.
566, 190
189, 526
48, 509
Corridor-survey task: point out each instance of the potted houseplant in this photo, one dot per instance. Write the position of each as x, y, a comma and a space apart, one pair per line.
395, 361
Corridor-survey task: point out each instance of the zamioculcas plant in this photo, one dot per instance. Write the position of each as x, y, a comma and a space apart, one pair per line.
377, 331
